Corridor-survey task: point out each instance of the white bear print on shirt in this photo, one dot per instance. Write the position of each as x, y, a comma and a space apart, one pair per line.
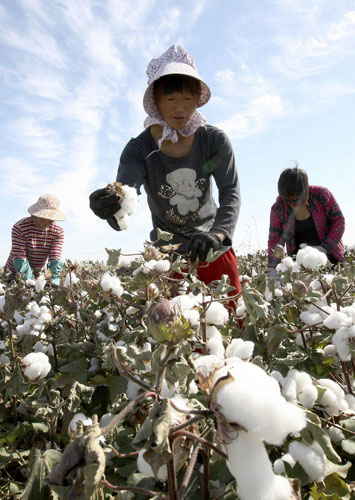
183, 182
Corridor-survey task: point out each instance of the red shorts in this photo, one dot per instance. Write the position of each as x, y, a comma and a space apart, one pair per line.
225, 264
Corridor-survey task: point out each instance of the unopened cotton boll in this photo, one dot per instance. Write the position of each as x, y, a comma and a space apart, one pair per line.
145, 468
311, 458
240, 348
217, 314
37, 365
249, 463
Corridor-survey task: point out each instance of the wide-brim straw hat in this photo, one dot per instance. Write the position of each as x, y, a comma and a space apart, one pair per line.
175, 61
47, 207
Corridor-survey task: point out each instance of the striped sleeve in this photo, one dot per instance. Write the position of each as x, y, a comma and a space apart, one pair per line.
55, 251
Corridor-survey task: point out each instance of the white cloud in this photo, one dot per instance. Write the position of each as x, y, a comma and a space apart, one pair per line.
20, 179
257, 117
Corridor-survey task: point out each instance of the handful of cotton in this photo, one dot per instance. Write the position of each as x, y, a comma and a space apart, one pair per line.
128, 202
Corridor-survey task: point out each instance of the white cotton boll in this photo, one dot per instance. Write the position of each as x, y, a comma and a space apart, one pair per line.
336, 320
278, 377
45, 317
193, 316
95, 365
249, 463
145, 468
350, 399
205, 364
330, 350
130, 311
132, 390
278, 292
39, 347
217, 314
40, 283
111, 283
215, 347
213, 333
254, 401
336, 435
178, 417
168, 390
34, 309
287, 287
70, 277
289, 389
311, 458
328, 278
333, 398
288, 262
37, 365
50, 350
106, 419
311, 258
241, 310
122, 219
308, 395
240, 349
184, 302
268, 295
130, 199
310, 318
2, 345
279, 465
341, 339
281, 267
78, 417
2, 289
315, 284
161, 266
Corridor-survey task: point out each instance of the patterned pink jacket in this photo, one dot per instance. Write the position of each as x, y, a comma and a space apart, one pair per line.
328, 220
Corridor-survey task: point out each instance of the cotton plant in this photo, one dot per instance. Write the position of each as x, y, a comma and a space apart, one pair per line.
251, 411
34, 320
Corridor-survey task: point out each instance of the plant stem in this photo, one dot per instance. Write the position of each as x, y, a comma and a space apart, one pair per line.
201, 440
129, 488
347, 378
172, 484
188, 472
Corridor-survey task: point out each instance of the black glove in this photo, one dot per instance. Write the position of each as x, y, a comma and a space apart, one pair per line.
103, 204
201, 243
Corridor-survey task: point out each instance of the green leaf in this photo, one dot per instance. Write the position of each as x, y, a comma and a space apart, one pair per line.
79, 393
275, 335
321, 437
164, 235
40, 465
113, 257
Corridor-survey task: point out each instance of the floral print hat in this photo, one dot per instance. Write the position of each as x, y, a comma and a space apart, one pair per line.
176, 60
47, 207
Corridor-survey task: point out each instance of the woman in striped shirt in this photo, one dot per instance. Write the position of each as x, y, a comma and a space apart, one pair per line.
37, 241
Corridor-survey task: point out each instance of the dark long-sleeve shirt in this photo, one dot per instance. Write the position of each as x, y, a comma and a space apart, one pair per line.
179, 190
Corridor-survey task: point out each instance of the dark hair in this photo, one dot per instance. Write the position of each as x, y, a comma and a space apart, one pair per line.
169, 84
293, 183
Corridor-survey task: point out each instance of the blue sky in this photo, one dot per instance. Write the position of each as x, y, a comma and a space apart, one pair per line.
72, 78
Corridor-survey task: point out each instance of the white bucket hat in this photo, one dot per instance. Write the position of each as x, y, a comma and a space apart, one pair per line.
47, 207
175, 61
